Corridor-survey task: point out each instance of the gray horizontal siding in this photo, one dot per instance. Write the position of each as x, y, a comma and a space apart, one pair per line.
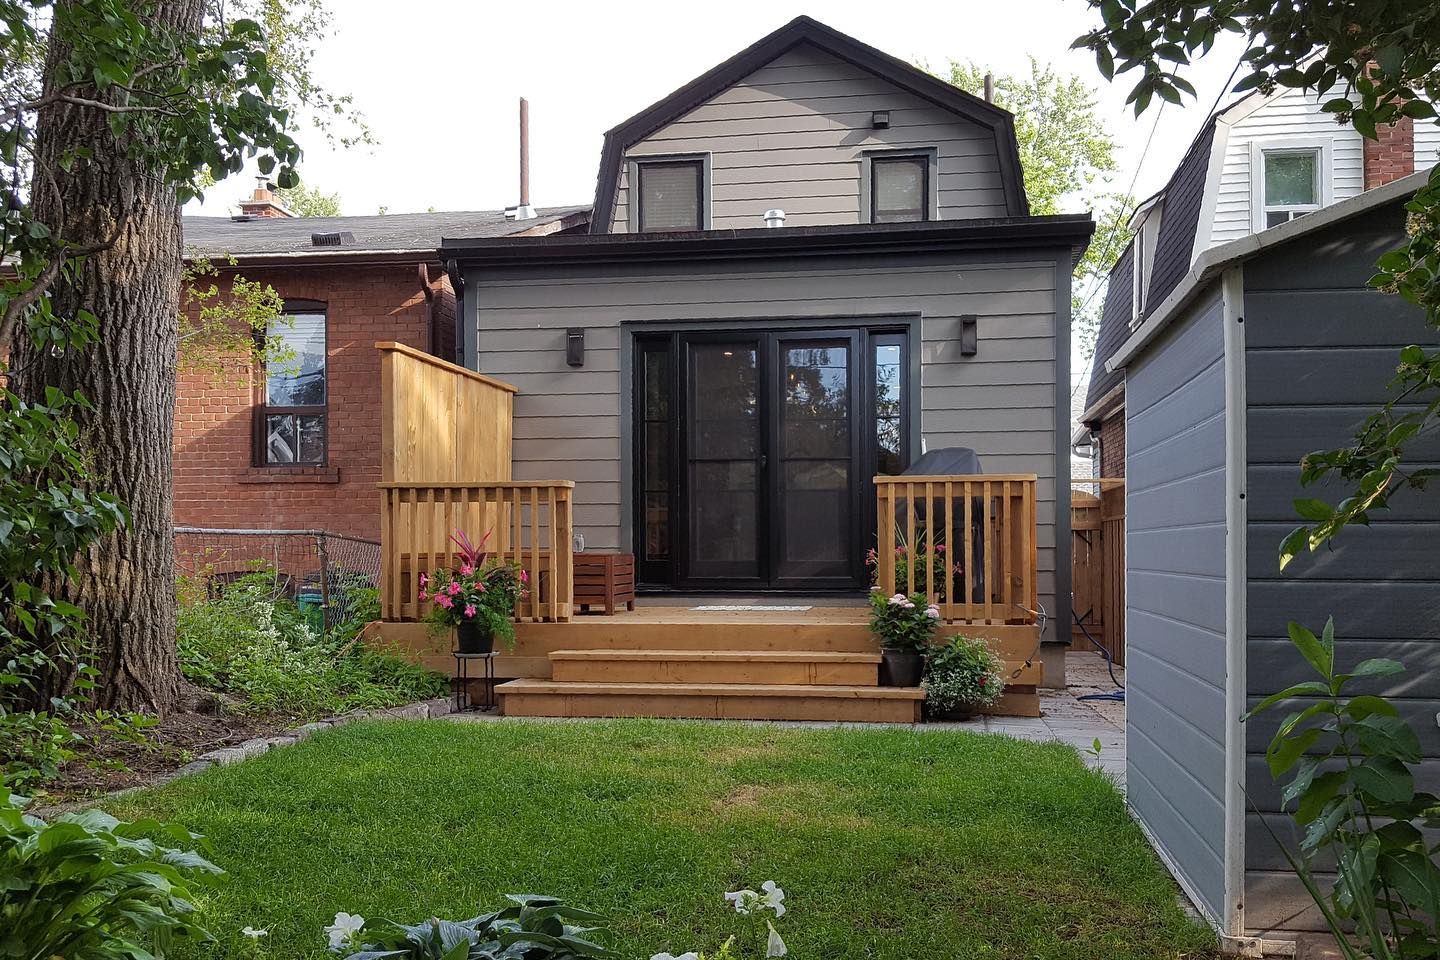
1320, 348
792, 135
568, 421
1175, 589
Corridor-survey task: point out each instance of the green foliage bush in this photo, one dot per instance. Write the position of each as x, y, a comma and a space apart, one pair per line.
964, 674
249, 639
532, 928
89, 887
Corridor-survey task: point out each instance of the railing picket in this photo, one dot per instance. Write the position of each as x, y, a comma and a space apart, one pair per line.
534, 553
1006, 562
909, 537
554, 557
969, 559
986, 564
929, 543
949, 560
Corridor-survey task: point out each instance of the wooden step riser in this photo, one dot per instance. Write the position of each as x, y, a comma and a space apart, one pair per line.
707, 707
693, 671
617, 633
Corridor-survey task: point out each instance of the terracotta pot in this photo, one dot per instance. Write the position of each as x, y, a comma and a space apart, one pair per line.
470, 637
901, 668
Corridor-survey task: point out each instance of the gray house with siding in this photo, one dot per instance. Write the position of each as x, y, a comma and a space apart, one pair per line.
810, 215
1271, 346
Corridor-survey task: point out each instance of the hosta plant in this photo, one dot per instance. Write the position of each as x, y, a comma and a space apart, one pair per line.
86, 886
1353, 791
532, 928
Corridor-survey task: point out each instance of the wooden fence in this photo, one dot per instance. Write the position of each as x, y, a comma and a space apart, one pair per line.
529, 522
978, 563
1097, 525
439, 422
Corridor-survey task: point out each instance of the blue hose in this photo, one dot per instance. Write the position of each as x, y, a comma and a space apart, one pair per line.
1118, 694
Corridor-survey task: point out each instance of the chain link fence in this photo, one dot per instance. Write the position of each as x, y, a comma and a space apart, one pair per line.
335, 574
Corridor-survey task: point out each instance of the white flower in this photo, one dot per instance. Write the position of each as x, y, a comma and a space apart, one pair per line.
774, 947
344, 930
774, 897
908, 605
932, 612
877, 589
254, 934
692, 955
746, 901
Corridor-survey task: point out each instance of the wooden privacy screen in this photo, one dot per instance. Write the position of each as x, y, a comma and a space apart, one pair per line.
967, 542
1097, 526
529, 522
440, 423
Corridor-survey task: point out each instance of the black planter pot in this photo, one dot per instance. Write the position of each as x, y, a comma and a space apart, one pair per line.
901, 668
953, 714
473, 638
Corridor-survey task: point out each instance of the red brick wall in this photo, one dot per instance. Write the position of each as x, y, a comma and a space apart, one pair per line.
215, 485
1112, 445
1392, 156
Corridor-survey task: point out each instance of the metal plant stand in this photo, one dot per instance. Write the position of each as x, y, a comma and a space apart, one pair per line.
462, 677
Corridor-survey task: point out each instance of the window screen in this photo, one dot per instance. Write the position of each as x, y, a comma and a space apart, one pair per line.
900, 189
670, 195
1292, 184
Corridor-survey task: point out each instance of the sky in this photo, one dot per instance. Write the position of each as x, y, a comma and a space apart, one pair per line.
439, 81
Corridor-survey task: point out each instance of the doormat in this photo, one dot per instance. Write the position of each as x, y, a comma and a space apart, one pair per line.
748, 607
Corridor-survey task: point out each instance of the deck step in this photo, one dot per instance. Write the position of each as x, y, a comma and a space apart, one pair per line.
827, 668
718, 701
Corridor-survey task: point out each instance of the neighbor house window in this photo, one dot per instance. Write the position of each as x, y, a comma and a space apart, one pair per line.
291, 423
899, 189
670, 195
1292, 186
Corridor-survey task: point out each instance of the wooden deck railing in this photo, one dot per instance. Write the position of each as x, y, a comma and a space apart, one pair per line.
967, 542
529, 522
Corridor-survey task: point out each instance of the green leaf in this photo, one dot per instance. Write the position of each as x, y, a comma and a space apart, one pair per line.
1285, 752
1384, 778
1378, 667
1390, 59
1316, 653
1311, 509
1310, 688
1388, 737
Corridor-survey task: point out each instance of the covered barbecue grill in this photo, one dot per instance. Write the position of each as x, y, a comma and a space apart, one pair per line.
949, 462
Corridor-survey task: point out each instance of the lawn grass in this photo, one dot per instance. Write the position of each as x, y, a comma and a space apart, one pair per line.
889, 843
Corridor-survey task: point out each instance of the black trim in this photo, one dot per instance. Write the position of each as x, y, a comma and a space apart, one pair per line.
806, 30
944, 236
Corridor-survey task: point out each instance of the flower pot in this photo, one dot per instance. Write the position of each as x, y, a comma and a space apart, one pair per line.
901, 668
472, 638
950, 714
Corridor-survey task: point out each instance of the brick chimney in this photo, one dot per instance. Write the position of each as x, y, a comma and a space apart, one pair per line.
1392, 156
265, 202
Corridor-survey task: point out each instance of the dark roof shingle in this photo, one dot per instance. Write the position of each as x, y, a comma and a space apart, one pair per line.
261, 236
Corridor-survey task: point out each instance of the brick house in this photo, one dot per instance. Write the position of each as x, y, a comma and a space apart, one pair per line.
296, 448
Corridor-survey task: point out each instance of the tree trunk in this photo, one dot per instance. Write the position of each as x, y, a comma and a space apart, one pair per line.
125, 583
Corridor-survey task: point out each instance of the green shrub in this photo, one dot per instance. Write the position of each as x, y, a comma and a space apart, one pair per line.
964, 674
533, 928
250, 640
89, 887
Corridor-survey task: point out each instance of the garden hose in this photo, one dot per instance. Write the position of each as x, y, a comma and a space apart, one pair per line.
1041, 617
1118, 694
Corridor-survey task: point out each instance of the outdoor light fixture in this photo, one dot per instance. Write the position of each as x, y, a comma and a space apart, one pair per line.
575, 346
880, 119
969, 336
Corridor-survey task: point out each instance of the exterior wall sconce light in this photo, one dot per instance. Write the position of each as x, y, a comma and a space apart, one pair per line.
880, 119
575, 346
969, 336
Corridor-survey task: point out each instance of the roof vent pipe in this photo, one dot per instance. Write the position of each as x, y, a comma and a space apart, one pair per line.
523, 211
774, 218
989, 87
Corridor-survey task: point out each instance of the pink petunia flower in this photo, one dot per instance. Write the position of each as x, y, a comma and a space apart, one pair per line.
524, 576
424, 579
469, 609
466, 570
444, 601
422, 595
453, 589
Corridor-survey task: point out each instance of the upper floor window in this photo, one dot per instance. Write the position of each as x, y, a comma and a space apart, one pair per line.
1146, 225
899, 189
1292, 186
669, 195
291, 422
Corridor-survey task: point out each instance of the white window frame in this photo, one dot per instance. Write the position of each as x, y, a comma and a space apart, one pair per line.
1142, 269
1325, 171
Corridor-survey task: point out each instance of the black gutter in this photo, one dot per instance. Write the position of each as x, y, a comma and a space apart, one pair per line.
1066, 230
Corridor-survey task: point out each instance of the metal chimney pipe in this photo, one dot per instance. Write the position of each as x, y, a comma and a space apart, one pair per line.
989, 87
525, 152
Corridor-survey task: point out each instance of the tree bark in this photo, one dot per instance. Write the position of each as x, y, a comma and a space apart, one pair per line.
125, 583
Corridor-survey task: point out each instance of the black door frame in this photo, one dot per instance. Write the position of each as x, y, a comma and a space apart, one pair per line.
663, 575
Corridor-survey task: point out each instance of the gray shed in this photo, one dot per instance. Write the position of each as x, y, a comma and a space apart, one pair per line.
1271, 347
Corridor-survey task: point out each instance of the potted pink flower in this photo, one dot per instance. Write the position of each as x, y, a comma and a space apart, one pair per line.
477, 598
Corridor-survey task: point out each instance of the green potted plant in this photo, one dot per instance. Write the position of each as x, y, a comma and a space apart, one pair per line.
903, 625
477, 599
962, 677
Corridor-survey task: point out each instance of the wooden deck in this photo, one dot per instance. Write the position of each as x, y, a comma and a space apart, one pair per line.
668, 661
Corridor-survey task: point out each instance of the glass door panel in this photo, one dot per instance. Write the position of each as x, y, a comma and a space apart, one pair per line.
725, 451
815, 478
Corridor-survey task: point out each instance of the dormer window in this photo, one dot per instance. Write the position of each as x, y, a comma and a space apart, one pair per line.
670, 194
1292, 184
1146, 224
898, 186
